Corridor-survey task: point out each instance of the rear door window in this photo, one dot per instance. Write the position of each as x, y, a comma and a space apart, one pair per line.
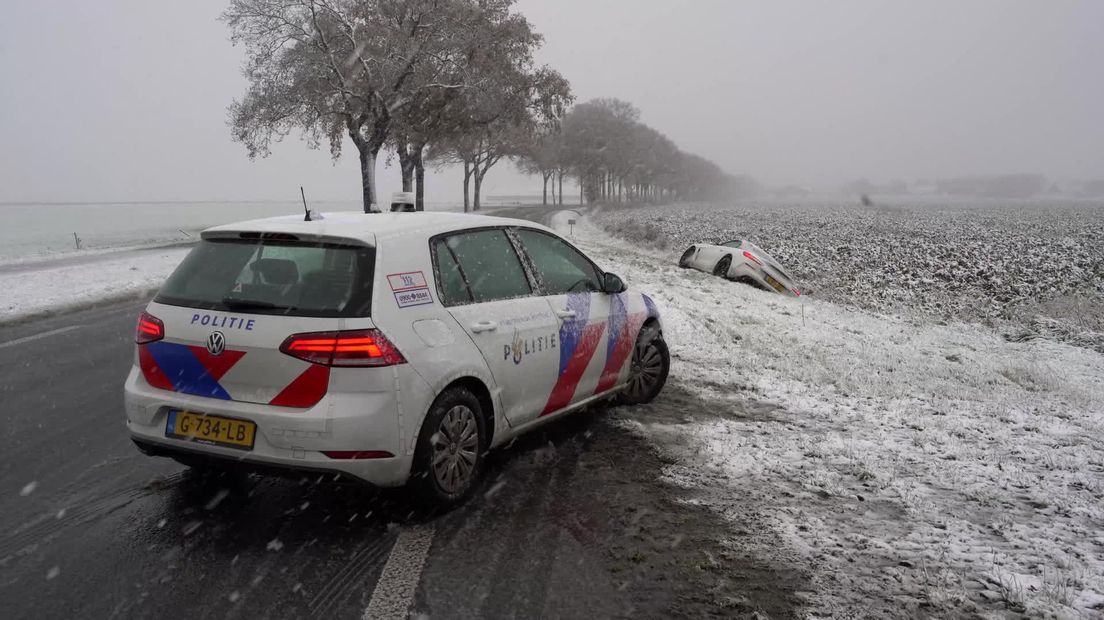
479, 266
453, 288
274, 277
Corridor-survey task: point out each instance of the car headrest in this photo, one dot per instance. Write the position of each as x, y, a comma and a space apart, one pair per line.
278, 271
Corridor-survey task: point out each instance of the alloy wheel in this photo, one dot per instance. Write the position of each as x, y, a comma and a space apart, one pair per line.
647, 367
455, 449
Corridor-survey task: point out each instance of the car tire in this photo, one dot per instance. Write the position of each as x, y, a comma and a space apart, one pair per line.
448, 460
684, 262
649, 367
721, 268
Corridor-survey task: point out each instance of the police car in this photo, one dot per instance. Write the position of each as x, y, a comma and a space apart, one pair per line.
391, 348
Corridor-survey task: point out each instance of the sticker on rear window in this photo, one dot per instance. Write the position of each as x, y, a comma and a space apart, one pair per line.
410, 289
407, 281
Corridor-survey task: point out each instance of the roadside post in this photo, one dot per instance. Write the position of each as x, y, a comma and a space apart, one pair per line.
571, 223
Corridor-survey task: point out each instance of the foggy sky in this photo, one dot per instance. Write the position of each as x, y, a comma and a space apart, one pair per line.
126, 100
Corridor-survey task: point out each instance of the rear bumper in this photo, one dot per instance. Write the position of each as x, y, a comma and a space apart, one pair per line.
758, 275
383, 473
203, 457
286, 439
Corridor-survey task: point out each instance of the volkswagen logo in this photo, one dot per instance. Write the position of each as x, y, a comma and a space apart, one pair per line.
216, 343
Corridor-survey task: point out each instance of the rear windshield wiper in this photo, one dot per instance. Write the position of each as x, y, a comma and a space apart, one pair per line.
238, 303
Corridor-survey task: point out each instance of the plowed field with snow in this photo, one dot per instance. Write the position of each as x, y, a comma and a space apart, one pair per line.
910, 464
1030, 269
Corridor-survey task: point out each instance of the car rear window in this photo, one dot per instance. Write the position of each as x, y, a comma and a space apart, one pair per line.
274, 277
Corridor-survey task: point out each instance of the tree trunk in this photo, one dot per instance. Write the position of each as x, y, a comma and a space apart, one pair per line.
368, 176
406, 166
478, 186
419, 177
544, 199
467, 183
552, 177
561, 187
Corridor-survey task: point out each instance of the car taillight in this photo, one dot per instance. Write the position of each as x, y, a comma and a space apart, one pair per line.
753, 258
365, 347
149, 329
796, 292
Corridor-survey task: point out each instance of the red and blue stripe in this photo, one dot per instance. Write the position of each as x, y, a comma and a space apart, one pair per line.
186, 369
579, 340
622, 338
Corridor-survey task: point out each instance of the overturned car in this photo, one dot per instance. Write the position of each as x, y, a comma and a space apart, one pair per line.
742, 261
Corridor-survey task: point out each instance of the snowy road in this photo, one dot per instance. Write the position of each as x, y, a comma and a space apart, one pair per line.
573, 521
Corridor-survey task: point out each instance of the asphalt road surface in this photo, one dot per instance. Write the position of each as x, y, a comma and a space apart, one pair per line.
571, 521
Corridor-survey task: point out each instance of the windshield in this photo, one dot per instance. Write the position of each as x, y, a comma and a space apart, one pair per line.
274, 277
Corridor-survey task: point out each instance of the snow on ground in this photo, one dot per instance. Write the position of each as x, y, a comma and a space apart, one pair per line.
59, 285
913, 467
1033, 268
37, 261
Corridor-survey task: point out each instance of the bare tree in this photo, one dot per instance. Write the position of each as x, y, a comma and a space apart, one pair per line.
539, 154
508, 96
617, 158
331, 68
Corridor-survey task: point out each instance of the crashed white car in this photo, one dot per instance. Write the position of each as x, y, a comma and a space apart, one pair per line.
742, 261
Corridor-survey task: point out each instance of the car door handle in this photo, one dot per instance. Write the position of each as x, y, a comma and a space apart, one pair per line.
484, 326
566, 314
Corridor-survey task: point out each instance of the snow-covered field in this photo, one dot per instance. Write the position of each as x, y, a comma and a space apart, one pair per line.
915, 467
32, 232
52, 286
1030, 268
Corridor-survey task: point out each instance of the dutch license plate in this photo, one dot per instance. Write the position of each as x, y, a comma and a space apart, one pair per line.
775, 283
211, 429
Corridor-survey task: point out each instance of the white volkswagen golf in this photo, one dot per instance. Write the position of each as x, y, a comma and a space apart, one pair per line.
392, 348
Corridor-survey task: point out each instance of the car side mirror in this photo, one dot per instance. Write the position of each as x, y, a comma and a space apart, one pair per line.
612, 284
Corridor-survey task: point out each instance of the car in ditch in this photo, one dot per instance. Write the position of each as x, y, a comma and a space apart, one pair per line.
741, 261
390, 348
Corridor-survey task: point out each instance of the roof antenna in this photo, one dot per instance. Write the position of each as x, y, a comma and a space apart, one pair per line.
307, 218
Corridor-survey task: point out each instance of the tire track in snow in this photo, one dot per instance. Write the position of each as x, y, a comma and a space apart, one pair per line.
52, 524
338, 586
395, 588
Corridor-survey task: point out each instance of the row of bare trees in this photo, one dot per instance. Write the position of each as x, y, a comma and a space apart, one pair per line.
443, 82
447, 77
616, 158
